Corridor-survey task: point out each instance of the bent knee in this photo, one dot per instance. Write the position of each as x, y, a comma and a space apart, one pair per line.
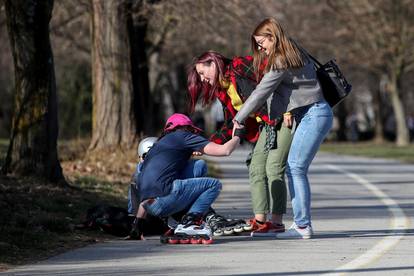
256, 171
218, 185
277, 171
200, 168
296, 169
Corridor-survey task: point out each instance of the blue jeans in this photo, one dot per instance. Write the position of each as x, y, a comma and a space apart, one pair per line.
315, 121
194, 168
133, 191
194, 192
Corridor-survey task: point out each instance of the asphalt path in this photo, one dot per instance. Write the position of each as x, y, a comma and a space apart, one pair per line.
362, 212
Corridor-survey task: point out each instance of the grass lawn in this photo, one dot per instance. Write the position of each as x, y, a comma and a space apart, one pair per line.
37, 219
388, 150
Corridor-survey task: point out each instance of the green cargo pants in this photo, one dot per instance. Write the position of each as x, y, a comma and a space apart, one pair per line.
267, 173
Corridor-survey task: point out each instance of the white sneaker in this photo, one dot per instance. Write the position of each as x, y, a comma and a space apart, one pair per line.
294, 232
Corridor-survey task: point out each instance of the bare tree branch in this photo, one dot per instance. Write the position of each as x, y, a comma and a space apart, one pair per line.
157, 45
73, 41
66, 21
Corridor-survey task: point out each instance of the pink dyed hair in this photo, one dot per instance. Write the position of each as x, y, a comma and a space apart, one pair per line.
197, 88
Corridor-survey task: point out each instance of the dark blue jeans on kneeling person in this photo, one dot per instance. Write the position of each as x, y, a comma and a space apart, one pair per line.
194, 194
194, 168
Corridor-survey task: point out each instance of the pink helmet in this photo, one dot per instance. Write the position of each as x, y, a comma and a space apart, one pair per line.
178, 119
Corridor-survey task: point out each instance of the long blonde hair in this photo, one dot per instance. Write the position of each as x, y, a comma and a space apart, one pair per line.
284, 54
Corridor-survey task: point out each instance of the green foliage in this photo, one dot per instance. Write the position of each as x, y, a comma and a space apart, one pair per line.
75, 100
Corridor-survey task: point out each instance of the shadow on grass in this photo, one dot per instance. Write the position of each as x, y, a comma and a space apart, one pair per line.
37, 219
4, 144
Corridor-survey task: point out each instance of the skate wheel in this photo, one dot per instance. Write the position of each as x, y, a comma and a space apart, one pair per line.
218, 232
228, 231
238, 229
173, 241
196, 240
207, 241
184, 241
248, 227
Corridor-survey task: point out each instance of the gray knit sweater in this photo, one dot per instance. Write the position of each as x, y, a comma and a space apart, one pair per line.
284, 90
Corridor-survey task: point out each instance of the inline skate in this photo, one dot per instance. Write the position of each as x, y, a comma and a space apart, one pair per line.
221, 226
191, 230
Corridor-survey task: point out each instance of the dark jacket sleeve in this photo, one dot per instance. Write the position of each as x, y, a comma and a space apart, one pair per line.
263, 91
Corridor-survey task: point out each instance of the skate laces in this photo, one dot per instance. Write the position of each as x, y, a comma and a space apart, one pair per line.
215, 218
191, 219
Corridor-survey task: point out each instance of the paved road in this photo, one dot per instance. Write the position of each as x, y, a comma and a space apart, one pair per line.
362, 215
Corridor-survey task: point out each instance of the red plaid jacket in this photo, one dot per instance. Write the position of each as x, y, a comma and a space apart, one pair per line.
240, 73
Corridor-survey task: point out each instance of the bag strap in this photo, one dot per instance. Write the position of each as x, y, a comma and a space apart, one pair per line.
314, 59
317, 63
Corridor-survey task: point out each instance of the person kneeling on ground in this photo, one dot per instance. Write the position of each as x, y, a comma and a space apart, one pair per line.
156, 225
162, 192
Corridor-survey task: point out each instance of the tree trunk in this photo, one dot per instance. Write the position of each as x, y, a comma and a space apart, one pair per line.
33, 143
379, 121
112, 120
402, 135
379, 127
342, 114
137, 28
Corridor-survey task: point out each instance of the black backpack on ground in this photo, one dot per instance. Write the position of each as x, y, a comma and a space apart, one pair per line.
116, 221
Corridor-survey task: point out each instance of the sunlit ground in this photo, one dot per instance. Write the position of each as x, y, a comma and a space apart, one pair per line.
387, 150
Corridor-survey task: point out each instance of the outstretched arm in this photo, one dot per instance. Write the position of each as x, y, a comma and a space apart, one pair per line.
221, 150
226, 149
264, 89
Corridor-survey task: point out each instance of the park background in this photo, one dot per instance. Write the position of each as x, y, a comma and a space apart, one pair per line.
82, 81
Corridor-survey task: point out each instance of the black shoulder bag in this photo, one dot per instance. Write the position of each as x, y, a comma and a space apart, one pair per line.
333, 83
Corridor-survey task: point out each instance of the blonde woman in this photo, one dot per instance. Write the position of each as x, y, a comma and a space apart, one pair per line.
289, 73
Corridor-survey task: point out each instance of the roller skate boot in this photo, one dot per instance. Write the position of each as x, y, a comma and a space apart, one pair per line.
192, 230
218, 224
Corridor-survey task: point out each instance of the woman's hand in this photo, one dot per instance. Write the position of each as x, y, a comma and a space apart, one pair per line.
236, 125
288, 119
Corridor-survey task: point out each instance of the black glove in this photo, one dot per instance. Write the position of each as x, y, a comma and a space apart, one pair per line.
240, 132
137, 230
